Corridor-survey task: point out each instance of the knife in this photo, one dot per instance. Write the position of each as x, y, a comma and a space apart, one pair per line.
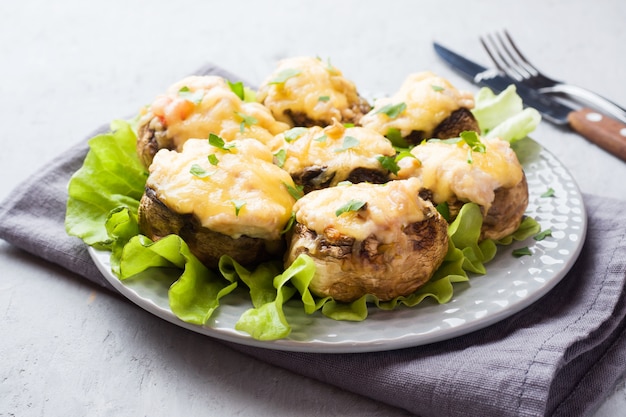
606, 132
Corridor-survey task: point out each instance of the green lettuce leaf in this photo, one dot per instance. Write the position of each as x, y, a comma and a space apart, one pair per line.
111, 176
195, 294
503, 115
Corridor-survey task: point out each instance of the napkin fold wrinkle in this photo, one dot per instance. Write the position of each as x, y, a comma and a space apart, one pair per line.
560, 356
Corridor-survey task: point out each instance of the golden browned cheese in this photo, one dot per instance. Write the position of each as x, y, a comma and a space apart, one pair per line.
389, 207
429, 100
311, 89
196, 106
241, 193
336, 149
453, 170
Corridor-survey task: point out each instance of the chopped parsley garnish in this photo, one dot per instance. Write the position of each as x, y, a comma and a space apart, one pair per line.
522, 252
543, 234
289, 224
549, 193
197, 171
284, 75
473, 140
296, 192
323, 98
404, 154
280, 157
295, 133
389, 163
395, 137
352, 205
347, 125
444, 210
238, 205
195, 97
246, 121
436, 88
237, 88
392, 110
219, 143
348, 143
213, 159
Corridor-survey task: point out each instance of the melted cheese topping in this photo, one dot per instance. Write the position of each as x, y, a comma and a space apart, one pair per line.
390, 207
330, 147
445, 171
244, 176
208, 105
429, 100
301, 93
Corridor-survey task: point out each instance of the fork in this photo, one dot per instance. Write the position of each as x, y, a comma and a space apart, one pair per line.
507, 57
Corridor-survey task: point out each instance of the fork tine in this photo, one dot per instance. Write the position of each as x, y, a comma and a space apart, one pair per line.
499, 59
520, 59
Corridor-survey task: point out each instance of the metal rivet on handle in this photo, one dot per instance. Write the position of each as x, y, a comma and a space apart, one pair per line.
623, 132
594, 117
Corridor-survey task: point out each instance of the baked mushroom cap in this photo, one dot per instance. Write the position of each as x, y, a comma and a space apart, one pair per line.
197, 106
231, 200
318, 158
305, 91
488, 174
426, 106
366, 238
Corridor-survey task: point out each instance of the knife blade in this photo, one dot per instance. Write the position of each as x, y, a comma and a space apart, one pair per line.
604, 131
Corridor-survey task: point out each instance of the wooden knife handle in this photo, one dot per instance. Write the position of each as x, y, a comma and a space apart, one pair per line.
607, 133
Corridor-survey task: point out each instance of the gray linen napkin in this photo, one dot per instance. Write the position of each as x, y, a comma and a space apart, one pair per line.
559, 357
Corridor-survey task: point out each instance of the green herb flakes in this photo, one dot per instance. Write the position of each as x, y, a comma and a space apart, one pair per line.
444, 210
280, 157
543, 234
238, 205
392, 110
219, 143
473, 140
549, 193
352, 205
237, 88
518, 253
213, 159
195, 97
295, 133
348, 143
323, 98
197, 171
296, 192
389, 163
246, 121
284, 75
290, 223
437, 88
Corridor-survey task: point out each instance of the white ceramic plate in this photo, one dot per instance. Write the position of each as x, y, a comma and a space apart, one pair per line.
510, 284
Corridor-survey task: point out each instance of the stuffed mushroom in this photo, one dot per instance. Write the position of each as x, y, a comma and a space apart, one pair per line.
228, 199
305, 91
426, 106
379, 239
319, 158
197, 106
484, 171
